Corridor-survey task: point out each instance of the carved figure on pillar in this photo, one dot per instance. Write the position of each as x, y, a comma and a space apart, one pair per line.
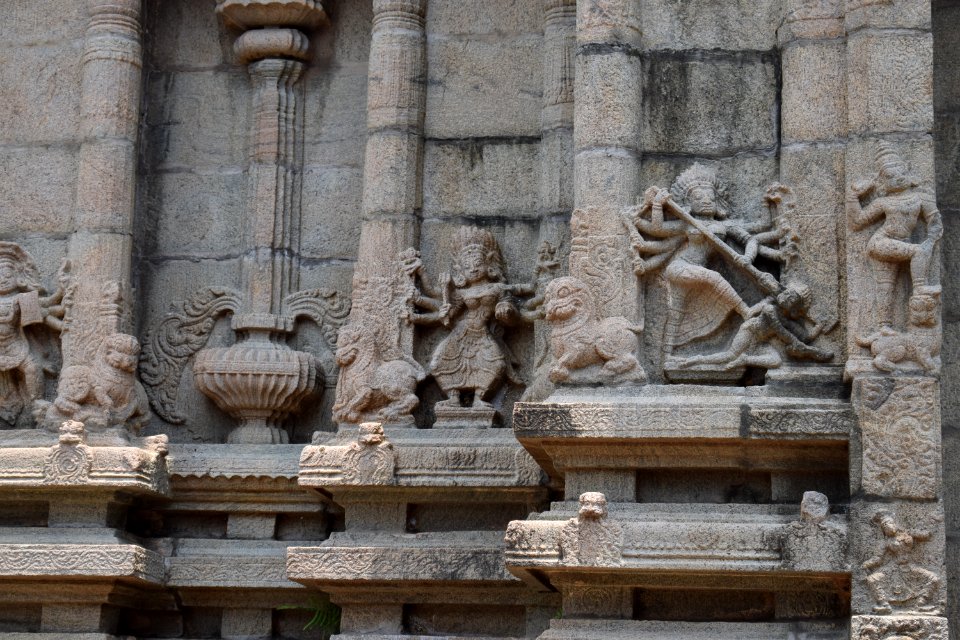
701, 298
587, 348
378, 374
898, 205
24, 310
472, 361
896, 582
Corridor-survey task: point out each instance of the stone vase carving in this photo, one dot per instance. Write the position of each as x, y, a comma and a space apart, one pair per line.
259, 380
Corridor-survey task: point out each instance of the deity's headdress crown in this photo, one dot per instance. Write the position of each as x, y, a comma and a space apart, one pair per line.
699, 176
888, 158
474, 238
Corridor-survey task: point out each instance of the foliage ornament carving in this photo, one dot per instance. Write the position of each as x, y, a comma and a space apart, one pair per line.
896, 581
898, 628
259, 380
70, 460
898, 205
680, 232
591, 539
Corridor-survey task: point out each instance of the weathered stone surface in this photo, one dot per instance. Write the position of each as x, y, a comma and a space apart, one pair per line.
367, 190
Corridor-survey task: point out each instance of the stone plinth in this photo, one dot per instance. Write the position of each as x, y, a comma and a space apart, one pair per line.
682, 426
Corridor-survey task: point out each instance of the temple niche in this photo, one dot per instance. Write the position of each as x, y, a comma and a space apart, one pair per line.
555, 319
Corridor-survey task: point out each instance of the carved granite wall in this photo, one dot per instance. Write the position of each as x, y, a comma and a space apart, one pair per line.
424, 336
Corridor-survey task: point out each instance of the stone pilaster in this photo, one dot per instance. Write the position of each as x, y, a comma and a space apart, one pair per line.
100, 248
395, 107
813, 126
607, 116
896, 514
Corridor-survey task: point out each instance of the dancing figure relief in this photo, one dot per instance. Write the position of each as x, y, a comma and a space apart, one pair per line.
476, 303
682, 232
899, 205
896, 581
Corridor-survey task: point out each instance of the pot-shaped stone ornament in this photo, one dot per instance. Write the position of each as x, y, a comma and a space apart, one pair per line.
259, 381
255, 14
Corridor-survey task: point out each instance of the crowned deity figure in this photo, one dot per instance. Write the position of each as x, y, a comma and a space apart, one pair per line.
898, 205
23, 308
686, 245
475, 301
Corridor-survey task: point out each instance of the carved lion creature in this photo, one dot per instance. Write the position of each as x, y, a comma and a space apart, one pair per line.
918, 346
580, 339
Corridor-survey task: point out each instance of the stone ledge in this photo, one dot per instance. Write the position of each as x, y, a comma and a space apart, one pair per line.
707, 539
260, 564
111, 561
234, 461
650, 630
432, 558
84, 470
473, 458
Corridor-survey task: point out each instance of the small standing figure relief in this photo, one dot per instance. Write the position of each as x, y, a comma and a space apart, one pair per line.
587, 348
898, 205
472, 361
378, 374
895, 581
701, 298
591, 539
22, 308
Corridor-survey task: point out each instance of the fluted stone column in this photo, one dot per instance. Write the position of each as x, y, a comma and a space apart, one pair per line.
100, 248
607, 124
556, 120
898, 542
395, 108
813, 125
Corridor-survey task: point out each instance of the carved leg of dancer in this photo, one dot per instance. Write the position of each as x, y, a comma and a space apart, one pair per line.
875, 583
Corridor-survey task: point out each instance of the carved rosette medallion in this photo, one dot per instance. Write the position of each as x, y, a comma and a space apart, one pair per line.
69, 461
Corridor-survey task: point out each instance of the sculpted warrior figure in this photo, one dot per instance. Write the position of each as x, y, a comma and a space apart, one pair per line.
686, 244
700, 297
22, 307
895, 581
898, 205
475, 301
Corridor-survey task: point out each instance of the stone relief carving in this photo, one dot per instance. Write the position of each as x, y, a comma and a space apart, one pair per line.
476, 302
258, 380
898, 628
898, 205
915, 349
104, 394
371, 460
378, 374
69, 461
585, 347
174, 340
813, 543
701, 298
591, 539
901, 446
30, 323
896, 580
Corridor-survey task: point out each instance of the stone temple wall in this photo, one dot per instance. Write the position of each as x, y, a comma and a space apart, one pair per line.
556, 319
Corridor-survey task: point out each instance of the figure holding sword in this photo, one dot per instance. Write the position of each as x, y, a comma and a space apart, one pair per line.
701, 298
